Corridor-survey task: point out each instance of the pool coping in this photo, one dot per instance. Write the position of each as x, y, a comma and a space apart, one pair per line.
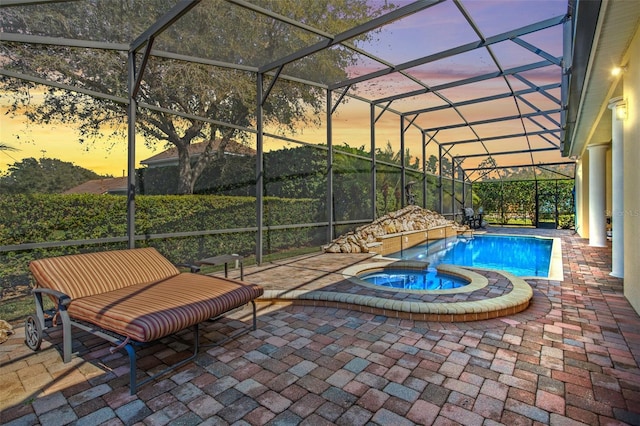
556, 267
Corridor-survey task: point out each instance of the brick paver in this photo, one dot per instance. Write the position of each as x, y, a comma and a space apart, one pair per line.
571, 358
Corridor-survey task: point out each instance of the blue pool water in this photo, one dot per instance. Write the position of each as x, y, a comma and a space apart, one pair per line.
413, 279
521, 256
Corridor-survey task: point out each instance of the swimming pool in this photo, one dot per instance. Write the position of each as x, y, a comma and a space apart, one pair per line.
520, 255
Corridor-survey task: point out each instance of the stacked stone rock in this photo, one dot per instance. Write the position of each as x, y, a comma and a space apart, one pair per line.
410, 218
6, 330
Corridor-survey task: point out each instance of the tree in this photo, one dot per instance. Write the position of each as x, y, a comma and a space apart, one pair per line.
5, 147
433, 166
488, 168
389, 177
215, 30
351, 183
47, 176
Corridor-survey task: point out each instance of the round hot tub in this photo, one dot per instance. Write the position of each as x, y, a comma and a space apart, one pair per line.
413, 279
414, 276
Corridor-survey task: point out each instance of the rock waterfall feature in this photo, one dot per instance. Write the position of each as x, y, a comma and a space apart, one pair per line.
410, 218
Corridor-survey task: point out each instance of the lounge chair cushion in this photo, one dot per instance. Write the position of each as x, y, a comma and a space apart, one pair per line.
149, 311
94, 273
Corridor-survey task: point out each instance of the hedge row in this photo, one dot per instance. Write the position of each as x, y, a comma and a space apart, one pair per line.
54, 217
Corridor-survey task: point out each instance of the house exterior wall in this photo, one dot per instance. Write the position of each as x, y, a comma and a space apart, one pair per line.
631, 95
631, 212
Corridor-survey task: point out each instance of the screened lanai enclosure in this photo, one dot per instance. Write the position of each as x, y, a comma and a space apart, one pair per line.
267, 127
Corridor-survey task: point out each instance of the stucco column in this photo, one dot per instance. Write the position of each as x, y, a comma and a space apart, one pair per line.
597, 201
617, 190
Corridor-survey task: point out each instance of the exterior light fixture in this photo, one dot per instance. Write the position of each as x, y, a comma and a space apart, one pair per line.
617, 71
621, 111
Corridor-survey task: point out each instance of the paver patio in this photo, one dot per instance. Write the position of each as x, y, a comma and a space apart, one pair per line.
571, 358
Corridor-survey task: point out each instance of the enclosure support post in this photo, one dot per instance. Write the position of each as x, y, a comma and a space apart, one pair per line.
567, 61
424, 171
403, 171
502, 217
131, 151
461, 177
555, 202
537, 192
259, 169
453, 185
372, 124
329, 209
470, 190
440, 189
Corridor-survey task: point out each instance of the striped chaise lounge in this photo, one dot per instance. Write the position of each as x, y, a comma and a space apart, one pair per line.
129, 296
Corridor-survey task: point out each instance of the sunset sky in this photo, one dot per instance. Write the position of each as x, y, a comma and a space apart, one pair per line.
432, 30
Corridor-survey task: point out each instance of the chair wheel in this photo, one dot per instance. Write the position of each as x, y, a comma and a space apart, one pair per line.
32, 333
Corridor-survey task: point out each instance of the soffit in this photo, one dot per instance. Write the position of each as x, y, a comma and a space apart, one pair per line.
618, 23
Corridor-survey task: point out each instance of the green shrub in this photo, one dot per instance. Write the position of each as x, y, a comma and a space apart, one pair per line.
51, 218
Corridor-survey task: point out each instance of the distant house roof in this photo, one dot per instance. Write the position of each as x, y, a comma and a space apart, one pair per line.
170, 156
101, 186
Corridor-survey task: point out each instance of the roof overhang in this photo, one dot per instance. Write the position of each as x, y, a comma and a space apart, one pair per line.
603, 32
